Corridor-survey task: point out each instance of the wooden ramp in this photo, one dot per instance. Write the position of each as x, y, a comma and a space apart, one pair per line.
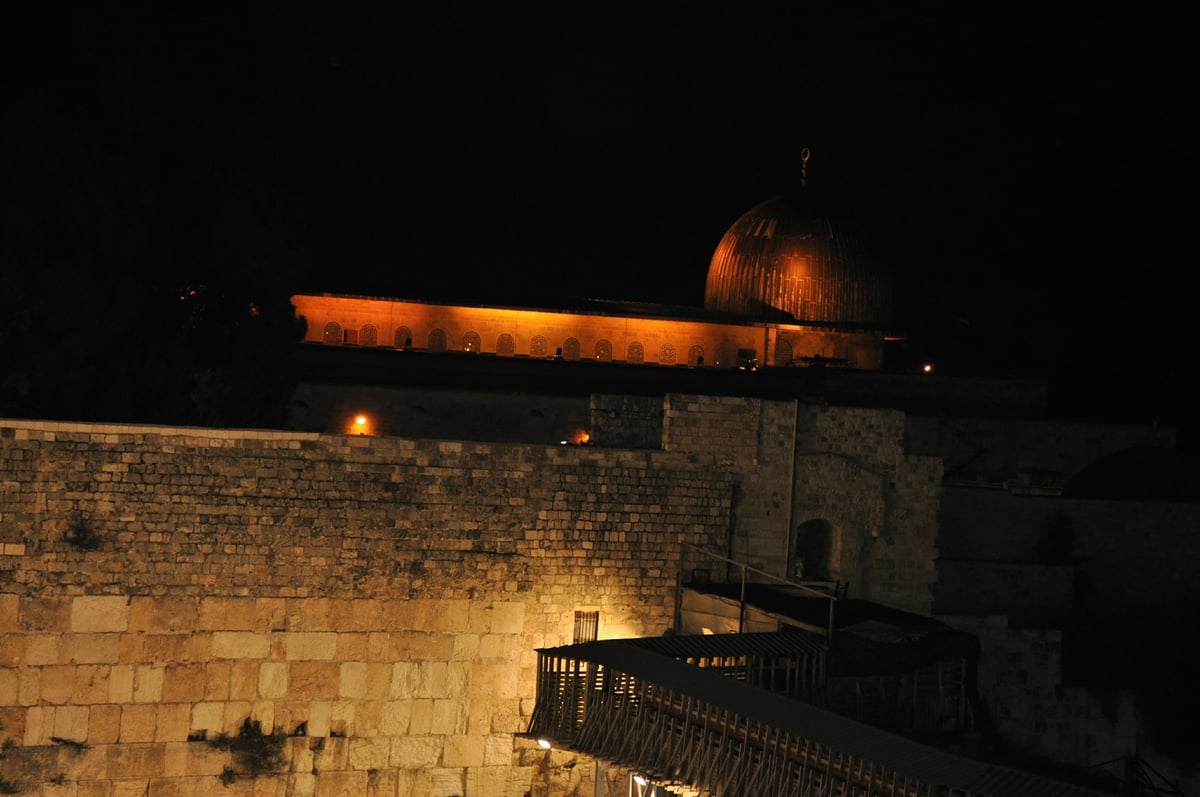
631, 703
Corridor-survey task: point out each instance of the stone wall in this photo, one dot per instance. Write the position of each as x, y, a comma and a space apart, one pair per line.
428, 413
755, 439
843, 467
380, 599
1022, 451
1027, 703
881, 504
1131, 553
626, 421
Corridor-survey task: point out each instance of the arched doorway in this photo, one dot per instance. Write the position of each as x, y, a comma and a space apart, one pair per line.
816, 551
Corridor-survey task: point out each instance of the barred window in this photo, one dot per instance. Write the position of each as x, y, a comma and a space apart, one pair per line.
587, 627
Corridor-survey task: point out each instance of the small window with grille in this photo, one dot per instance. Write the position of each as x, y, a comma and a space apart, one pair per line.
587, 627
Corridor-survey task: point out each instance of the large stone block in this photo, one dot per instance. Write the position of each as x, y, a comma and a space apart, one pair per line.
273, 680
420, 718
138, 723
90, 648
498, 750
173, 723
449, 717
43, 649
208, 717
104, 724
244, 680
416, 752
12, 649
58, 683
310, 645
240, 645
463, 751
91, 684
147, 684
394, 717
352, 679
370, 753
501, 781
313, 680
9, 607
163, 614
99, 613
9, 686
71, 722
184, 683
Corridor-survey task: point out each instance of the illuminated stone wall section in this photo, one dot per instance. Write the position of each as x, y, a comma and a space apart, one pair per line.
381, 598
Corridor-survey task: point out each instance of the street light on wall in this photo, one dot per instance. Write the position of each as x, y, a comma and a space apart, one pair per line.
361, 424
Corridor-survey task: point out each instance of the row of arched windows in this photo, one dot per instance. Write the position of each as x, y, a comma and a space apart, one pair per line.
539, 346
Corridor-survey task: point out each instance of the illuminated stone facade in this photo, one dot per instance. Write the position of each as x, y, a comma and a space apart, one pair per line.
629, 338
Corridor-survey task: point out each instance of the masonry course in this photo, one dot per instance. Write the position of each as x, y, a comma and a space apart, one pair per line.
380, 599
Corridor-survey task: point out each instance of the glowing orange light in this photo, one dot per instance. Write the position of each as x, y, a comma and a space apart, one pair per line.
927, 368
581, 437
360, 424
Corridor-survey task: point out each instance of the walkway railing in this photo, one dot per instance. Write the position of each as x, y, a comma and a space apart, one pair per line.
743, 572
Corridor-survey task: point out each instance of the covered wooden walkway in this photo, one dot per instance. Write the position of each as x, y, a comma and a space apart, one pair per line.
659, 707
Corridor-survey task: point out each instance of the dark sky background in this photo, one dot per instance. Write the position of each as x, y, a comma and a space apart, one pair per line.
1026, 170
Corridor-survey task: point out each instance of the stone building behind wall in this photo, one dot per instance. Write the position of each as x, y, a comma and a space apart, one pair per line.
379, 599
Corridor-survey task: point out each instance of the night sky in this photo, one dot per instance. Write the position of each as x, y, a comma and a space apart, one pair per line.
1028, 173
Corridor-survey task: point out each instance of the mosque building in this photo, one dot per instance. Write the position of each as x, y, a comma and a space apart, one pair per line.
798, 310
784, 288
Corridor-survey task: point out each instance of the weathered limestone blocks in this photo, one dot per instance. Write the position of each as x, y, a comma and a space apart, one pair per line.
384, 598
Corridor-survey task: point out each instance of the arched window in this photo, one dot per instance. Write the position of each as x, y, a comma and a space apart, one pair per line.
333, 333
570, 349
636, 353
603, 351
368, 335
505, 346
403, 338
538, 346
472, 343
437, 340
666, 354
783, 353
696, 356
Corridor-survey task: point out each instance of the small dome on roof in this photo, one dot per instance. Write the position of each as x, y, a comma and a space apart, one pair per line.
779, 259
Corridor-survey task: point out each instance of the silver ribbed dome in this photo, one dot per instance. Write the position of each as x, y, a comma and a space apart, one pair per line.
779, 260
